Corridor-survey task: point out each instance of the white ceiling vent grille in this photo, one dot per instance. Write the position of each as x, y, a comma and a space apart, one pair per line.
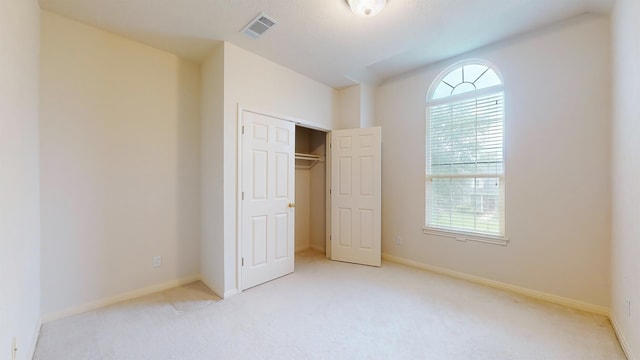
258, 26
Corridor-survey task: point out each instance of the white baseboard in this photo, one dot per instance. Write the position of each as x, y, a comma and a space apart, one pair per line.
318, 248
312, 247
572, 303
225, 294
230, 293
212, 288
622, 340
118, 298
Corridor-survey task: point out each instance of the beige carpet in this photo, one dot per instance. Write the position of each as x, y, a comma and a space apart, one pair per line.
331, 310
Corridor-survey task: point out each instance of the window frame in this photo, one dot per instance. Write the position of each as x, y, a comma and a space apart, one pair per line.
461, 235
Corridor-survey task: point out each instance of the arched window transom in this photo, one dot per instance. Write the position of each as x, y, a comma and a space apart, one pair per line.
464, 79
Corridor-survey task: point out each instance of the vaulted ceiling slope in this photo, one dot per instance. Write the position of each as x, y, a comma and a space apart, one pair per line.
323, 39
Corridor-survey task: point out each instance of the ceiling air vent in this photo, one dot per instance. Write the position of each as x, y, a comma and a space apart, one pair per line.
258, 26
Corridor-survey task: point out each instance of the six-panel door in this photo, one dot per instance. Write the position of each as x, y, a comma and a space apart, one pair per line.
356, 196
268, 181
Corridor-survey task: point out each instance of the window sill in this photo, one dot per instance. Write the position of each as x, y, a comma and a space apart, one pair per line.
464, 237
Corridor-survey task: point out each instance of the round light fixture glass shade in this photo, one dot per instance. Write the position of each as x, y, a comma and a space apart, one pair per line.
366, 8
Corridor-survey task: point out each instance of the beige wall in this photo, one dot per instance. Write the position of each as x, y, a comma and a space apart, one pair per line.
557, 84
354, 107
303, 209
626, 174
318, 193
310, 227
19, 180
119, 165
368, 105
212, 171
303, 191
261, 85
348, 107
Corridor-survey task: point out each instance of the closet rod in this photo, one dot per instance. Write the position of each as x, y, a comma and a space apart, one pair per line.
310, 157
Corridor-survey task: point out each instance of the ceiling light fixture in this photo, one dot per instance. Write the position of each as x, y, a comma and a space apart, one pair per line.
366, 8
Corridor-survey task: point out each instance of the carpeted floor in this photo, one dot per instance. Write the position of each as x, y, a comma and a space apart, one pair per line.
332, 310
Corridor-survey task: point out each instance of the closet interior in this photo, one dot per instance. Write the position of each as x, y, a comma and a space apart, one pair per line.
310, 219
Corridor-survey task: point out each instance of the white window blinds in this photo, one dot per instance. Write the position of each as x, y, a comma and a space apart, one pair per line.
465, 165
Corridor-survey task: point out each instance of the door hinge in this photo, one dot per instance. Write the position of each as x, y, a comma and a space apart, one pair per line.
243, 195
242, 261
329, 191
242, 129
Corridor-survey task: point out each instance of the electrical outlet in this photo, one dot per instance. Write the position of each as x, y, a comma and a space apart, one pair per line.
14, 349
157, 261
398, 240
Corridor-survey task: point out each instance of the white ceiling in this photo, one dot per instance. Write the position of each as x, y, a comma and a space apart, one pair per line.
322, 39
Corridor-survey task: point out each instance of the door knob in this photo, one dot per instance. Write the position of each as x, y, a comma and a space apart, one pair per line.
292, 205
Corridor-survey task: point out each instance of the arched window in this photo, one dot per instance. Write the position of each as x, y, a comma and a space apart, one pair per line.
465, 152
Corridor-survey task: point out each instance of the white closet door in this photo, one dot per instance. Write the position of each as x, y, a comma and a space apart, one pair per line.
356, 196
268, 180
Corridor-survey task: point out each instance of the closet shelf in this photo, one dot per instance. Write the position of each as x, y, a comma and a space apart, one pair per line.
312, 160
